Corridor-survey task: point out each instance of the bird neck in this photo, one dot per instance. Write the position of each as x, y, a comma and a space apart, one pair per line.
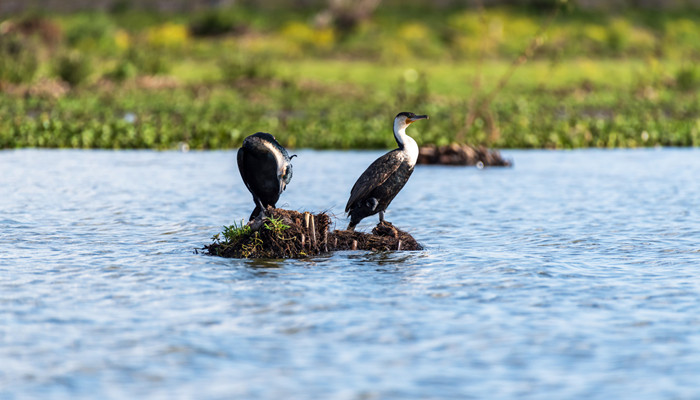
406, 143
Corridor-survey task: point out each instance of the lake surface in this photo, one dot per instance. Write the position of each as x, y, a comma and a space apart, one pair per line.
574, 274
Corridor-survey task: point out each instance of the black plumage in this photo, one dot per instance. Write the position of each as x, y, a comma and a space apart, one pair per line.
265, 168
386, 176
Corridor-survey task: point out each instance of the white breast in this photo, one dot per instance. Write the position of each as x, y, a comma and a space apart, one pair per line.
411, 148
409, 145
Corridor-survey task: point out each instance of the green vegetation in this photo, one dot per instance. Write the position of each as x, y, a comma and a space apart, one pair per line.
275, 225
239, 237
234, 232
133, 79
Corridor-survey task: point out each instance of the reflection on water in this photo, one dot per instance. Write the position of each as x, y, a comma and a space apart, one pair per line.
571, 275
264, 264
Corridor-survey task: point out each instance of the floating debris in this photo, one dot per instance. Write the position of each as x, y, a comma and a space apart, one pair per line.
291, 234
462, 154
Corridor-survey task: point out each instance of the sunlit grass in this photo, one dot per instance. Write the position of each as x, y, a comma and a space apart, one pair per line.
209, 80
456, 79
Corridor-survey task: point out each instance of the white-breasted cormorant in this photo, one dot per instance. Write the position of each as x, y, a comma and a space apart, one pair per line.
386, 176
265, 168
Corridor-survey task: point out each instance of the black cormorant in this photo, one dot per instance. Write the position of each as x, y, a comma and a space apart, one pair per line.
265, 168
386, 176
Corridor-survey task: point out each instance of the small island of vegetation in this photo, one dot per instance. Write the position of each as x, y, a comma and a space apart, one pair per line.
291, 234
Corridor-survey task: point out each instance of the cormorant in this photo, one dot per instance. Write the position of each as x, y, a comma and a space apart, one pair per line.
265, 168
386, 176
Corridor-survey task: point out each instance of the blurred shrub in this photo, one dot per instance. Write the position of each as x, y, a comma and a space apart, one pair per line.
412, 91
366, 41
73, 67
471, 34
245, 66
518, 31
641, 42
90, 32
617, 36
414, 31
147, 60
214, 23
37, 26
124, 70
18, 58
681, 36
593, 38
467, 23
269, 45
419, 40
122, 39
687, 78
167, 35
308, 38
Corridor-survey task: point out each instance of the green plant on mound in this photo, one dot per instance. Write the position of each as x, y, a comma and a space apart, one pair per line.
275, 225
253, 246
238, 235
248, 243
234, 232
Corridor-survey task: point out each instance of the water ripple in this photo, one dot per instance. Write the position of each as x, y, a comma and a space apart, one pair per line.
572, 275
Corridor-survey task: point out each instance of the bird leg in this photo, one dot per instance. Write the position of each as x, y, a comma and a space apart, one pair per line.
256, 211
381, 216
259, 203
257, 223
259, 214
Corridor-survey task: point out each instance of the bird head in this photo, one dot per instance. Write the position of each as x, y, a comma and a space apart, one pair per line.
287, 176
404, 119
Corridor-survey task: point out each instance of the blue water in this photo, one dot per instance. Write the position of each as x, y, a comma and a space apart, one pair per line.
575, 274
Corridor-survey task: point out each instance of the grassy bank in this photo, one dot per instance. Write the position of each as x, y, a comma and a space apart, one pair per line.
137, 80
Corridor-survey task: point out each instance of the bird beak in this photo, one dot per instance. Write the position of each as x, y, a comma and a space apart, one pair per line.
416, 118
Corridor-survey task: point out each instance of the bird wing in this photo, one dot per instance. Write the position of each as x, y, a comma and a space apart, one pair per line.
378, 172
241, 168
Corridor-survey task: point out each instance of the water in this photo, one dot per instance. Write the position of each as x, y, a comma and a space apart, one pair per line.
572, 275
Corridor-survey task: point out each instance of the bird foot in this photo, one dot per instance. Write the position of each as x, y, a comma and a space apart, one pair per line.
257, 223
386, 228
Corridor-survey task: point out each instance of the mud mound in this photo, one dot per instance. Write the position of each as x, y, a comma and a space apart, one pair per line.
462, 154
385, 236
286, 234
291, 234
